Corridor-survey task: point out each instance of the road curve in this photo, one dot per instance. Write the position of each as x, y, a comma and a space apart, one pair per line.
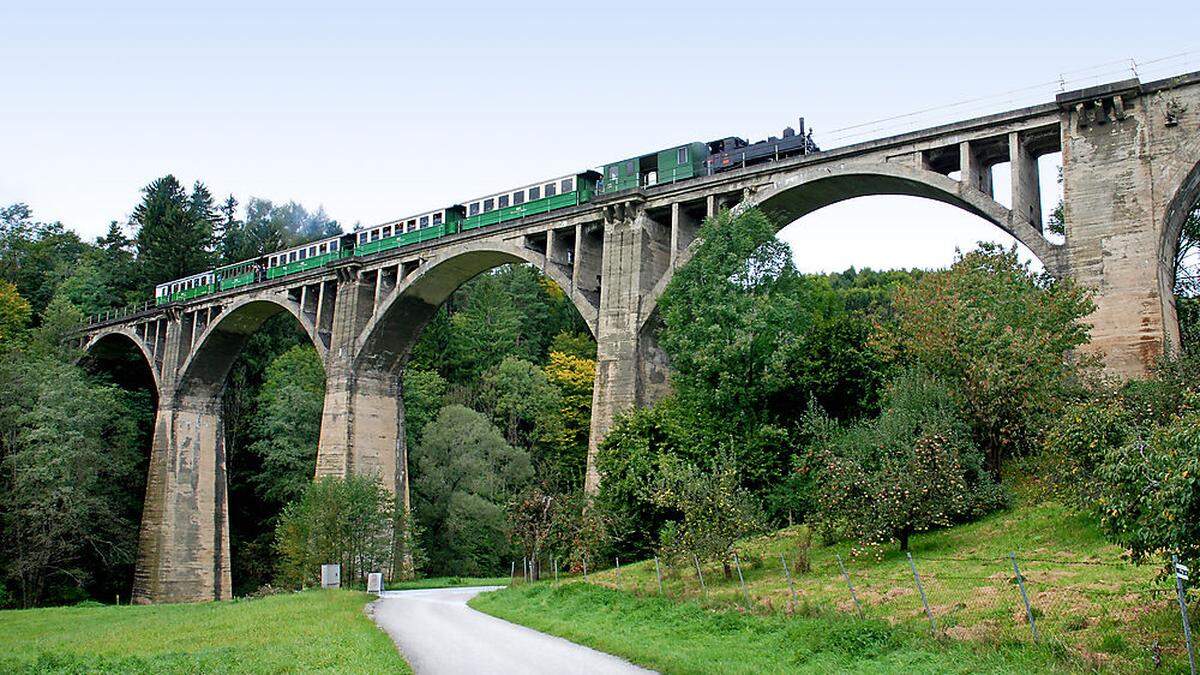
438, 633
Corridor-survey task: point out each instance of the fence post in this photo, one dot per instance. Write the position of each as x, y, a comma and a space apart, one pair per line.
791, 587
512, 574
556, 568
1024, 595
850, 584
921, 590
618, 573
585, 569
741, 580
658, 573
1181, 575
700, 575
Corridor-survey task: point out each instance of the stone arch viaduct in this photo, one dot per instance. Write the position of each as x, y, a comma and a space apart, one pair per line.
1131, 173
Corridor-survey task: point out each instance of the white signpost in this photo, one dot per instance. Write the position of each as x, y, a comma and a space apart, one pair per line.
331, 576
375, 582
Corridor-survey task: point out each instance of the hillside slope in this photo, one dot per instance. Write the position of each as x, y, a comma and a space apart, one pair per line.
1090, 606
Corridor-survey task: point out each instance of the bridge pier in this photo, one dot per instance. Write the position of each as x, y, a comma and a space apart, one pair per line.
631, 369
183, 546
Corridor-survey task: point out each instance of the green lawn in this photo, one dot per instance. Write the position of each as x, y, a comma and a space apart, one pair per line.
685, 637
1092, 608
297, 632
447, 582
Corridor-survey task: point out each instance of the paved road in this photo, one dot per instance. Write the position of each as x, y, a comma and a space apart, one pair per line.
438, 633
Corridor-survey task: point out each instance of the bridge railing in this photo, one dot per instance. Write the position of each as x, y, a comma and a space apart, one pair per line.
118, 313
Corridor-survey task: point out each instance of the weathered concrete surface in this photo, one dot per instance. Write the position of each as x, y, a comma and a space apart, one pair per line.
1131, 169
439, 634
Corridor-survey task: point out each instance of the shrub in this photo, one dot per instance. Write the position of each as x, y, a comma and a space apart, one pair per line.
347, 521
911, 469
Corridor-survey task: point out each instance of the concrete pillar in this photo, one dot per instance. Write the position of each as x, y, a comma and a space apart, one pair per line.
183, 546
630, 368
1026, 188
973, 171
362, 420
1114, 199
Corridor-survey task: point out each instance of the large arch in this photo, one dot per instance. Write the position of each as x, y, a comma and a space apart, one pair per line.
398, 322
1185, 199
114, 335
800, 194
205, 368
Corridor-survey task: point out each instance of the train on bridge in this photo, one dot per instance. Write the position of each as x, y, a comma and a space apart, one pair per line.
672, 165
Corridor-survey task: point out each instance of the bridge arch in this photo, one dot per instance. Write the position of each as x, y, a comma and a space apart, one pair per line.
124, 336
397, 324
800, 194
215, 349
1182, 203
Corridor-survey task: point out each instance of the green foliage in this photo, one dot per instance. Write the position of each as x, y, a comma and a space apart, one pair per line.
998, 335
909, 470
174, 230
752, 341
289, 424
1150, 492
424, 396
14, 313
714, 509
68, 448
578, 345
573, 376
521, 401
626, 461
337, 520
35, 256
464, 472
270, 227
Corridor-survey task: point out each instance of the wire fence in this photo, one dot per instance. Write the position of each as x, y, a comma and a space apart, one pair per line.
1109, 615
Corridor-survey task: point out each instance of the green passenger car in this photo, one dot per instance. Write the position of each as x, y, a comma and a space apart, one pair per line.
237, 275
666, 166
302, 258
186, 288
530, 200
406, 231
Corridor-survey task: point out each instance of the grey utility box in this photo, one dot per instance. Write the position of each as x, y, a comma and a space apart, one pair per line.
331, 576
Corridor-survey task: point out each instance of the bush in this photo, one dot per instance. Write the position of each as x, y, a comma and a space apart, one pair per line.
912, 469
1149, 492
348, 521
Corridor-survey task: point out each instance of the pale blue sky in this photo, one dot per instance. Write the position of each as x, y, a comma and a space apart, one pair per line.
375, 111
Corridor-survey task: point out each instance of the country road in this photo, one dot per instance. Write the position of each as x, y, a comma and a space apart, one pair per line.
438, 633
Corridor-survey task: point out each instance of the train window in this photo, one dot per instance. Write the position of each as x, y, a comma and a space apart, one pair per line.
681, 156
303, 253
518, 198
292, 257
551, 190
488, 205
612, 172
321, 249
535, 193
412, 224
568, 184
629, 167
333, 245
374, 235
387, 231
362, 237
474, 210
437, 219
503, 201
